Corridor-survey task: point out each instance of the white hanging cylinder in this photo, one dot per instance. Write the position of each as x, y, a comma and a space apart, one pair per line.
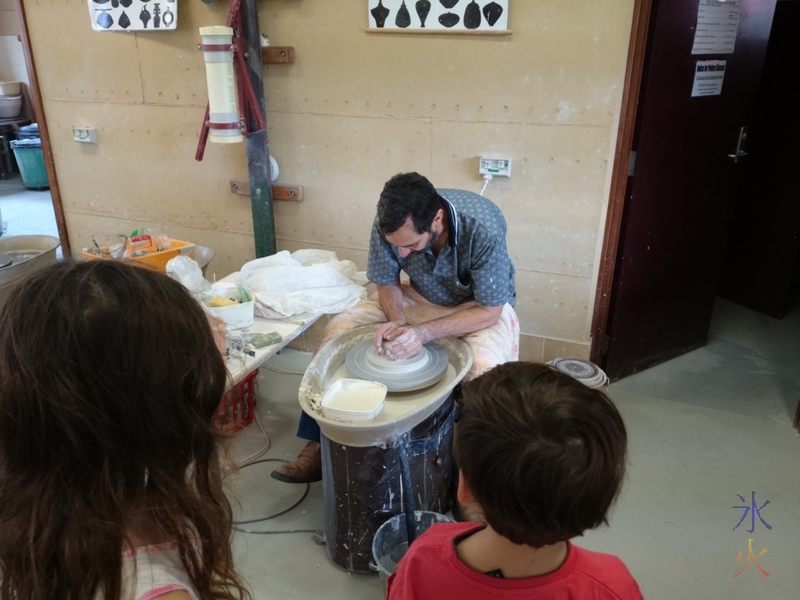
223, 101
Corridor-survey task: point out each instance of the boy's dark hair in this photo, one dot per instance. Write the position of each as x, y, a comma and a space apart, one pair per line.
543, 454
109, 378
407, 195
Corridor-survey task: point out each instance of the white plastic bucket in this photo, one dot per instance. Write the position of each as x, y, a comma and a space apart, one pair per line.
391, 542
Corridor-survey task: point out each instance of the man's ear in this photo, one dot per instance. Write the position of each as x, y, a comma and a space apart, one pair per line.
463, 493
439, 216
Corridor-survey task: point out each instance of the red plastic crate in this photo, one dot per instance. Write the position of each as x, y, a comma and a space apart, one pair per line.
238, 405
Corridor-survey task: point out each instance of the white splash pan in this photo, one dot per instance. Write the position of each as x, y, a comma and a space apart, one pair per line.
402, 411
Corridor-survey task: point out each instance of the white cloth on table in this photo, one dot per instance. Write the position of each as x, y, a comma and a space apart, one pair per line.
304, 281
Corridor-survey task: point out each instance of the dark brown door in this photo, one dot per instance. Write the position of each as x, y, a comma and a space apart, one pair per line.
680, 192
761, 263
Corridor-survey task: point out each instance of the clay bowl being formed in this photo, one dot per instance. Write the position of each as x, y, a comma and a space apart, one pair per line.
417, 372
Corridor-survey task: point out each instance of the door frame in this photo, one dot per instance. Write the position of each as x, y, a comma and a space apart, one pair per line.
640, 27
44, 134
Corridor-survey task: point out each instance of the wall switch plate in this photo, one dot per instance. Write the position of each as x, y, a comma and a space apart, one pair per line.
85, 135
497, 167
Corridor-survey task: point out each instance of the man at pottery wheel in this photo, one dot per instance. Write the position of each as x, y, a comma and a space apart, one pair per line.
452, 246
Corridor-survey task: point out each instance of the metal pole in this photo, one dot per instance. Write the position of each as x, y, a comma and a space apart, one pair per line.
258, 166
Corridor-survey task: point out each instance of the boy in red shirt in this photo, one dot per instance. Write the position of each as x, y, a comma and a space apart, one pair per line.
543, 457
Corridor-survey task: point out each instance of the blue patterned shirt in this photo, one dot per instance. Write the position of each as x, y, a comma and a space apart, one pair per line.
472, 265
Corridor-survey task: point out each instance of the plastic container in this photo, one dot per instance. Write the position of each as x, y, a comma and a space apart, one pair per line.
28, 132
29, 253
349, 400
237, 315
584, 371
155, 260
10, 106
391, 542
10, 88
30, 161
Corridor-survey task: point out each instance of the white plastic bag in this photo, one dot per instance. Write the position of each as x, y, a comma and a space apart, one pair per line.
185, 270
314, 281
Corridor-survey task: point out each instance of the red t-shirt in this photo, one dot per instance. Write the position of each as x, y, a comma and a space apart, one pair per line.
431, 569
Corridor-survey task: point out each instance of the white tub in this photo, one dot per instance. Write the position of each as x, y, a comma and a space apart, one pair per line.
30, 253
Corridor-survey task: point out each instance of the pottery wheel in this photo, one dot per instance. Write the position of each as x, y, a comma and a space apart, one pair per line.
5, 260
415, 373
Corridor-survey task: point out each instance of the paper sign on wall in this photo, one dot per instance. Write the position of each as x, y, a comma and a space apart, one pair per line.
717, 24
133, 15
708, 76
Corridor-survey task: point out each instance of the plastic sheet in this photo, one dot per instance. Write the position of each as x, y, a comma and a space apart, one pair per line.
306, 281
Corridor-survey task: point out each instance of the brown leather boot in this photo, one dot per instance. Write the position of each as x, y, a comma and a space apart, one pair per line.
306, 468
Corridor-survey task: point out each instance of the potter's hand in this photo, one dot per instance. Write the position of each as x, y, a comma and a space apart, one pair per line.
386, 333
405, 342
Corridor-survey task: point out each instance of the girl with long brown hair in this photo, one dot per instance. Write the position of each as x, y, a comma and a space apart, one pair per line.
110, 477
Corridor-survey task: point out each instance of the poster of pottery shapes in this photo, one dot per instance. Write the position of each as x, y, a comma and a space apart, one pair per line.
439, 15
133, 15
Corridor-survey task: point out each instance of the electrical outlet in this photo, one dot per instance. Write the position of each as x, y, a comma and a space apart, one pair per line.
84, 134
497, 167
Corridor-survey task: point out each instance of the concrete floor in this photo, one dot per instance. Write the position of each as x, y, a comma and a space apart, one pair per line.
706, 430
24, 211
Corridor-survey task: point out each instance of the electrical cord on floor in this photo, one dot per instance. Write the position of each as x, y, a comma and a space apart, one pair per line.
249, 460
319, 536
235, 353
316, 532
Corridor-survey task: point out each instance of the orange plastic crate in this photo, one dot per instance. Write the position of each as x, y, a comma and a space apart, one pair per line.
237, 408
155, 260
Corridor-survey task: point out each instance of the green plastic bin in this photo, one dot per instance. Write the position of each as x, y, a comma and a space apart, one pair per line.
30, 161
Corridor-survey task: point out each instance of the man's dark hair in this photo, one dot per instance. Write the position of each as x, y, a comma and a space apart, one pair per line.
543, 454
407, 195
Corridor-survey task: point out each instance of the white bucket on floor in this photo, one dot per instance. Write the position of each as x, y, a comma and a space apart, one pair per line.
391, 542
